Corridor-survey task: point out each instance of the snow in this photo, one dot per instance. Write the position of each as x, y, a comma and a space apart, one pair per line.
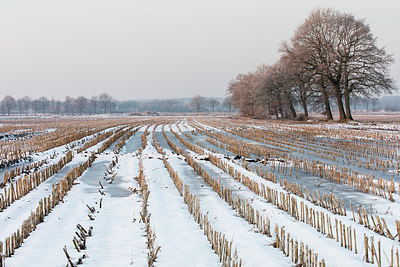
225, 220
119, 235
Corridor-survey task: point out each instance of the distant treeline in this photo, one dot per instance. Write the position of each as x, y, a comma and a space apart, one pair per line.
105, 103
332, 61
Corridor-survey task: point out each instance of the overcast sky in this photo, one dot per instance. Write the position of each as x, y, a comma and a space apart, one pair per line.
156, 48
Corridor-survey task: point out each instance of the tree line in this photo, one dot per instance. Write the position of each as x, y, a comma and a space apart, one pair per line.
104, 103
331, 60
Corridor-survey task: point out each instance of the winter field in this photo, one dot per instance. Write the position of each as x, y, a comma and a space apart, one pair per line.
198, 191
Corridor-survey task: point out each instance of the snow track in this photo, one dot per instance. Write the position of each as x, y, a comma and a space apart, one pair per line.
182, 241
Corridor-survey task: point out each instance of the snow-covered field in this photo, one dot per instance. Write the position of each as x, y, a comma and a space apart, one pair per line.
207, 191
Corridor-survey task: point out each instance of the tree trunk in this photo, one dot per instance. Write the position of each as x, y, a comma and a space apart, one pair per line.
338, 93
326, 100
304, 104
276, 112
266, 112
303, 100
280, 108
253, 110
347, 105
347, 95
292, 110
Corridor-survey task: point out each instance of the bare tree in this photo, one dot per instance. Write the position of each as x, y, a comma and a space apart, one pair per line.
342, 54
26, 103
374, 102
264, 91
284, 73
112, 106
43, 103
197, 103
299, 76
365, 66
93, 104
57, 107
366, 102
105, 101
312, 41
227, 103
242, 90
35, 106
20, 105
52, 104
251, 93
68, 105
8, 104
81, 103
213, 103
276, 92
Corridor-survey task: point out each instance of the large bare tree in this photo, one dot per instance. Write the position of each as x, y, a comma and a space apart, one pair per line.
263, 92
300, 75
365, 65
342, 51
243, 91
312, 45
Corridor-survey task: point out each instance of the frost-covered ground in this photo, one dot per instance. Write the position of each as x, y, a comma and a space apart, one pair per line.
109, 198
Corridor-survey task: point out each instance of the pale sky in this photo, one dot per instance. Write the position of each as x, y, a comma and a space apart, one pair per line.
156, 48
